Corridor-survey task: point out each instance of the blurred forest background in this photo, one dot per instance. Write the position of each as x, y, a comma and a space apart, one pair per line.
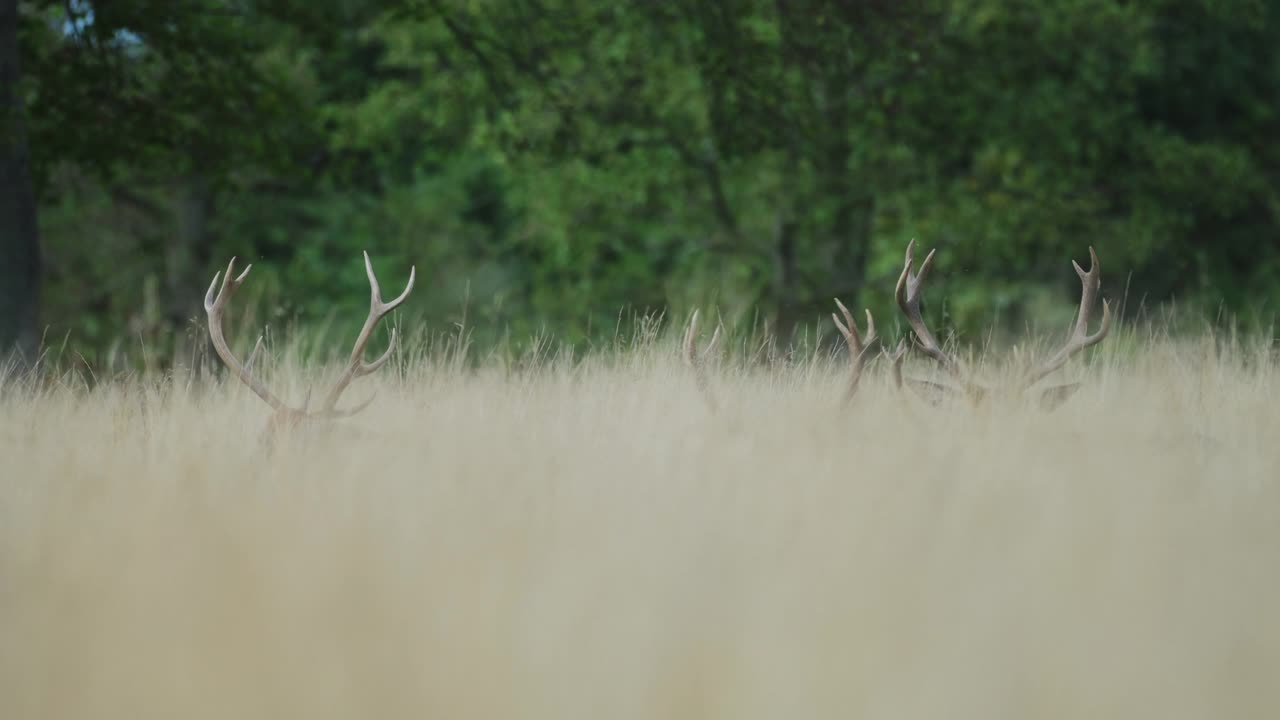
559, 167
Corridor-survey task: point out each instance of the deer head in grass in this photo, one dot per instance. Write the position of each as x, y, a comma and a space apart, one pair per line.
858, 344
1023, 385
285, 417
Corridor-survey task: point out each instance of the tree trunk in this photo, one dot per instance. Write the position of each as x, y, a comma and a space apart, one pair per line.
848, 234
785, 312
187, 253
186, 257
851, 230
785, 269
19, 235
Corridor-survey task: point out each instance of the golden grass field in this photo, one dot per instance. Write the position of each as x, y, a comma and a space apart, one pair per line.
588, 540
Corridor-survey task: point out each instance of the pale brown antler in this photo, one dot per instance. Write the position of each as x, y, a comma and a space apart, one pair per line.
696, 360
907, 294
214, 308
356, 366
286, 416
857, 344
1080, 337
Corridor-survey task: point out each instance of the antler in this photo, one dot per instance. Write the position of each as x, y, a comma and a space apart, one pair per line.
1080, 339
895, 359
908, 296
357, 367
214, 307
286, 417
857, 344
698, 360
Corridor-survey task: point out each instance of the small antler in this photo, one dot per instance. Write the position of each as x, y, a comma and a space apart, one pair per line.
1080, 339
907, 294
214, 306
696, 360
857, 344
895, 359
357, 367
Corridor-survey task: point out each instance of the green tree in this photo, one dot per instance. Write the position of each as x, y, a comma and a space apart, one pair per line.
148, 109
549, 163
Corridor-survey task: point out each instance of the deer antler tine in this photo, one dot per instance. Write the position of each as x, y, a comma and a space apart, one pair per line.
900, 289
248, 364
698, 360
369, 367
895, 358
413, 274
715, 339
374, 290
214, 306
907, 293
353, 410
1093, 264
848, 316
228, 287
926, 266
208, 296
688, 351
689, 345
844, 329
356, 366
848, 328
1090, 281
1104, 328
857, 345
841, 326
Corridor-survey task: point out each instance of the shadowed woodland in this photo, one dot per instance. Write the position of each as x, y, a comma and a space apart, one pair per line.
560, 168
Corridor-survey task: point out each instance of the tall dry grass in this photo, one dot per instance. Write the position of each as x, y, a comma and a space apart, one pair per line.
587, 540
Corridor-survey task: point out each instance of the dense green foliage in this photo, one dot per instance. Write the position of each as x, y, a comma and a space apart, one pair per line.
552, 166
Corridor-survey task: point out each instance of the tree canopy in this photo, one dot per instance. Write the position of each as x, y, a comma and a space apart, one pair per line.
551, 164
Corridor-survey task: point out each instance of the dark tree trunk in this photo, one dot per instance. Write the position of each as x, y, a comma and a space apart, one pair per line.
851, 232
784, 278
187, 254
785, 262
187, 257
19, 235
848, 234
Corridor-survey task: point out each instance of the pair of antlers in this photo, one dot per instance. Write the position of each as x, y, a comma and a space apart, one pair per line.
907, 294
285, 416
